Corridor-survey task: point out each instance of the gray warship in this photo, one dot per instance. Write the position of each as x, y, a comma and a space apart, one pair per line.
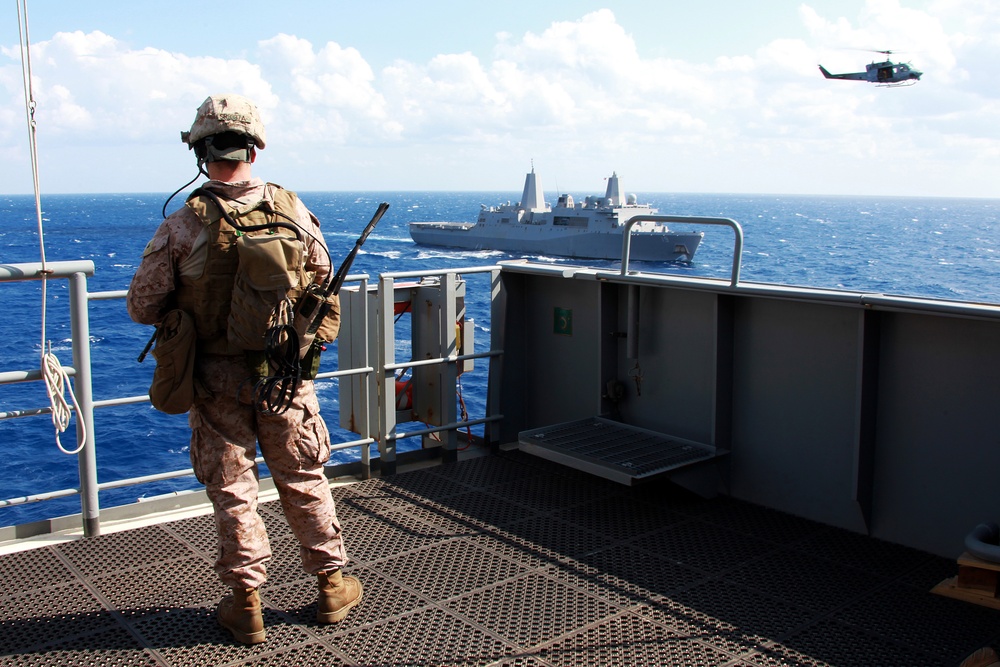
591, 229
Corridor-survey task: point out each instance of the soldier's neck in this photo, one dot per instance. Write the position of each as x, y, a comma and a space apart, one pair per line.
229, 171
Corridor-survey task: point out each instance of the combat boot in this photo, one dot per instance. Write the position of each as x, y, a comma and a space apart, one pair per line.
337, 595
241, 614
984, 657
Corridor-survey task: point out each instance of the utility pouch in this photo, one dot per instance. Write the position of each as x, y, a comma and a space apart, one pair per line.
270, 261
330, 326
310, 304
310, 362
270, 267
172, 390
257, 363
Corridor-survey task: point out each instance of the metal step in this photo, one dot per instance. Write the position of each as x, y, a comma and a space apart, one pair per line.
612, 450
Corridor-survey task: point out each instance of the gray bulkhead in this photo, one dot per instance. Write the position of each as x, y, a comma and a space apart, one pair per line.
875, 414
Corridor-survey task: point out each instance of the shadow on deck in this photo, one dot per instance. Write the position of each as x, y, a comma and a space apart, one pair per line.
504, 560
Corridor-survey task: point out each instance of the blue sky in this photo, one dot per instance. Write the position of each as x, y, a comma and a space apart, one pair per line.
724, 96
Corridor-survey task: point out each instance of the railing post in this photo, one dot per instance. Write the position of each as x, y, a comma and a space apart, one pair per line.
366, 383
498, 322
449, 371
386, 377
83, 389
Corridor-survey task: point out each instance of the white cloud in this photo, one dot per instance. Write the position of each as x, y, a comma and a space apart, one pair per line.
326, 96
579, 96
90, 88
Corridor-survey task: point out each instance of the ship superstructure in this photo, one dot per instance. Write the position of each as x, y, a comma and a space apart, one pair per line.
589, 229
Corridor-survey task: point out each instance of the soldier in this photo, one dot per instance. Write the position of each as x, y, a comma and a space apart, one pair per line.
192, 263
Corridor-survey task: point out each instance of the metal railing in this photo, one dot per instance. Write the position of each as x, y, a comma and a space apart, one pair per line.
687, 219
384, 435
76, 273
388, 436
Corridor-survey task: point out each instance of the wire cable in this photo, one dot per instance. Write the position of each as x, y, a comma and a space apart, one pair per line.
275, 393
163, 211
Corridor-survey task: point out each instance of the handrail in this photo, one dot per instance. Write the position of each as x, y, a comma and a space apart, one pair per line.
89, 486
71, 269
13, 377
76, 272
420, 273
38, 271
687, 219
443, 360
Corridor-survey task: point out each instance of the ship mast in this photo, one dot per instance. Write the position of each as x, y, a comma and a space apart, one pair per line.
532, 199
614, 191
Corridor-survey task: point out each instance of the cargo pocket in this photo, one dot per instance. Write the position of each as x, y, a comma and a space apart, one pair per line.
197, 455
314, 437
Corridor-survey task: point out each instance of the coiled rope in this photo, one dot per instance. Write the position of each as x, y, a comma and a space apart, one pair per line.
55, 377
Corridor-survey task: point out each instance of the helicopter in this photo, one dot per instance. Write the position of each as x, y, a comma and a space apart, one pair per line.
885, 74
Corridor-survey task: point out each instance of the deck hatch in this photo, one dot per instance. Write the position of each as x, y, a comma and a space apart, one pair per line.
613, 450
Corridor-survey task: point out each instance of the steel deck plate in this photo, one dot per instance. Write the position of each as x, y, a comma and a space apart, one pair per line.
504, 561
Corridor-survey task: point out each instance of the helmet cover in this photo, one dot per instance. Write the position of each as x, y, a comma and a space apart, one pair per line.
226, 113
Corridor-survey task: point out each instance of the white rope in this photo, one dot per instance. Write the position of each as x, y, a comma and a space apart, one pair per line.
56, 381
55, 377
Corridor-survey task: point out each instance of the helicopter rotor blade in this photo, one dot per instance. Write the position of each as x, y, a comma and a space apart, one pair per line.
887, 52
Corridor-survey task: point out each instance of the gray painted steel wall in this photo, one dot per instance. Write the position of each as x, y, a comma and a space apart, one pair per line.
865, 412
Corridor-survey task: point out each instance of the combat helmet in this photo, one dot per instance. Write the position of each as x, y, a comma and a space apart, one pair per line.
219, 118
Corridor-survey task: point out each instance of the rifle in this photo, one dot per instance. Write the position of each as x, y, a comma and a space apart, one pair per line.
315, 303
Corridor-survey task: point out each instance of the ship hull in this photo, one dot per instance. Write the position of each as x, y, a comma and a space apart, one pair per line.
540, 240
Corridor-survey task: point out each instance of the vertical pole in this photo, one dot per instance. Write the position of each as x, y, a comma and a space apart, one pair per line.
366, 381
449, 371
866, 411
632, 325
493, 377
386, 377
83, 389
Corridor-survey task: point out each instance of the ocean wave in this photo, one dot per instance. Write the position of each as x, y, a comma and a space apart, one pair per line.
388, 254
423, 255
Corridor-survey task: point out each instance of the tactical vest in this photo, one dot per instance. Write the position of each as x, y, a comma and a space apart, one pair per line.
233, 302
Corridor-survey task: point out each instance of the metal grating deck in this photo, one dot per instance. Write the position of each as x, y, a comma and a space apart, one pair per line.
510, 561
613, 450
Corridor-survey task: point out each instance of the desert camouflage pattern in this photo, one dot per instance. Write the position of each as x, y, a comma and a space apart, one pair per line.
179, 247
225, 427
226, 113
225, 430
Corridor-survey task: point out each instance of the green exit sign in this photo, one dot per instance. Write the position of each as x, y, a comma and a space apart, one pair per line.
562, 321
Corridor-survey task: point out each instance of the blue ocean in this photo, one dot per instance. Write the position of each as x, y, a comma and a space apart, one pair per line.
942, 248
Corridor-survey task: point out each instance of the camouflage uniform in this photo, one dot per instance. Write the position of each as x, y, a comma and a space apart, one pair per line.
225, 427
